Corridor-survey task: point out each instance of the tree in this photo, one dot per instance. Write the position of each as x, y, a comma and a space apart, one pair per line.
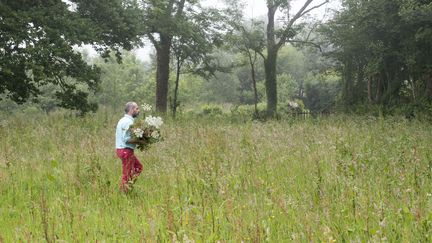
276, 38
167, 19
249, 41
193, 49
292, 62
37, 39
384, 49
222, 84
321, 92
125, 81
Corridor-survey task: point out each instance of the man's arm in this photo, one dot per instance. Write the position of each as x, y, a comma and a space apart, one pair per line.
136, 141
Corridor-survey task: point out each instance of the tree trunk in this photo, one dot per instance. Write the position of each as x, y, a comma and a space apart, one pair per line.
270, 63
176, 87
348, 77
413, 87
300, 93
360, 84
162, 72
270, 82
369, 89
429, 85
252, 65
273, 47
378, 93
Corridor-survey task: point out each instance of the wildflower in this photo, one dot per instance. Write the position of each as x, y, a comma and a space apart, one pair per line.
154, 121
146, 107
138, 132
155, 134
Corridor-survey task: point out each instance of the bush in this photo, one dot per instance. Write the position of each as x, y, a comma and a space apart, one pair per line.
248, 111
291, 107
211, 110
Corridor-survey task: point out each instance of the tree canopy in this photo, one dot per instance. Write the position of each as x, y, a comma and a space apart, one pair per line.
384, 49
37, 42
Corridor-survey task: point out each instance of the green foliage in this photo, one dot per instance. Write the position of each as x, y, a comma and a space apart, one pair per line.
322, 92
277, 37
191, 89
384, 49
223, 87
248, 111
186, 30
126, 81
211, 110
292, 61
37, 49
288, 88
113, 24
291, 108
245, 82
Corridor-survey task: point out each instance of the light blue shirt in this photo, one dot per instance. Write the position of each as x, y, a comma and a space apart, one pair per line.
123, 134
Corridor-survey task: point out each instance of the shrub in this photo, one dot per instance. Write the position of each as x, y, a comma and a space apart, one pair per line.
211, 110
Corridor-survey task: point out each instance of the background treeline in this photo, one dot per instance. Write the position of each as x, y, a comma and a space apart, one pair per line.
384, 51
370, 57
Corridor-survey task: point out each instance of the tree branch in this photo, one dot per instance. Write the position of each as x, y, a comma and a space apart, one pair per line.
317, 6
261, 54
298, 15
242, 28
306, 42
169, 8
288, 27
153, 40
310, 31
180, 8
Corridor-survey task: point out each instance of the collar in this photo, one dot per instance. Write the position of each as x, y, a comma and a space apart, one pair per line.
129, 116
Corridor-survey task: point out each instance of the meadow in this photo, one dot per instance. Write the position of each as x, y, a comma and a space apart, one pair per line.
333, 179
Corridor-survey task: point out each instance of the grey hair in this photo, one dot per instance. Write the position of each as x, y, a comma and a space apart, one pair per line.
129, 106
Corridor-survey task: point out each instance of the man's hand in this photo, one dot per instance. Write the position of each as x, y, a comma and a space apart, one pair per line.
136, 141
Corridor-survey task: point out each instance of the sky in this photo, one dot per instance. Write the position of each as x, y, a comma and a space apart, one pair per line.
256, 8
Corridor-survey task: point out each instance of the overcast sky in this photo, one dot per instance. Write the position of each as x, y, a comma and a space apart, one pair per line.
257, 8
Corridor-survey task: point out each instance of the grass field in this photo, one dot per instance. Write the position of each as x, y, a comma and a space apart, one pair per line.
333, 179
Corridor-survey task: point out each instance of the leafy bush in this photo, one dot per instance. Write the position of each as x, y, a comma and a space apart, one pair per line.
211, 110
248, 110
291, 107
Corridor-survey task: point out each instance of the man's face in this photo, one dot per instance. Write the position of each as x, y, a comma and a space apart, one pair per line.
135, 111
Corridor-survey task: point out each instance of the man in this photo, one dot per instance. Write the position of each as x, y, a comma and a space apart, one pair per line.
125, 146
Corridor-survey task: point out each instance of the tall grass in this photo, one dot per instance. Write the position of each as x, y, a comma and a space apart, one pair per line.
332, 179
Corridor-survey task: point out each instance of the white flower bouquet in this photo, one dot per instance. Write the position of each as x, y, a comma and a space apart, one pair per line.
147, 131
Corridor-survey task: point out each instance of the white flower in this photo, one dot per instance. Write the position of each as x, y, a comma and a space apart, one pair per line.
146, 107
155, 134
138, 132
293, 104
154, 121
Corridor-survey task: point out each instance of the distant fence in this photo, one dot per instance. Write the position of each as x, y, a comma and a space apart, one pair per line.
309, 114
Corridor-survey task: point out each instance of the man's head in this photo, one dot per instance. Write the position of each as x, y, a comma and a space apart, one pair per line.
132, 109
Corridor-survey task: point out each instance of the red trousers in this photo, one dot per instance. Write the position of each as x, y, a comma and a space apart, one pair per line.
131, 166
